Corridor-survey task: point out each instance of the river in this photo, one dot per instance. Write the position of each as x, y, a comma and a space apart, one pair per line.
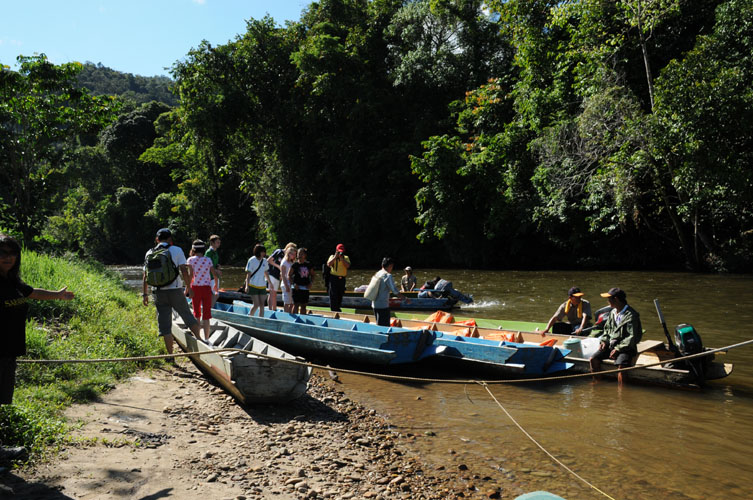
634, 442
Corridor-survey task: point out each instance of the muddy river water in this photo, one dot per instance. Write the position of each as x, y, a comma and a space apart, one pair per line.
633, 442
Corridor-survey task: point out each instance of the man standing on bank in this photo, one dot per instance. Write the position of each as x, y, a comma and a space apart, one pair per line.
622, 332
170, 296
381, 304
338, 264
576, 310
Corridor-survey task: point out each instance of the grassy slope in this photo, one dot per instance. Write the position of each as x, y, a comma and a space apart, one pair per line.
105, 320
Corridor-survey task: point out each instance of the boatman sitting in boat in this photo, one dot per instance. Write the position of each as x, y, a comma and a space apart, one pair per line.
408, 281
576, 310
621, 334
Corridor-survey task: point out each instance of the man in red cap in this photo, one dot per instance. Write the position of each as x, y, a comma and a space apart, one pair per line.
338, 265
576, 310
622, 332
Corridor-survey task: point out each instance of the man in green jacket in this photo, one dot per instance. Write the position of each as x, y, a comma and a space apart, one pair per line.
621, 334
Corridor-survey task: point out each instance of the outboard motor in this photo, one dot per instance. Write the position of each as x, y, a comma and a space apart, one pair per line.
688, 342
600, 317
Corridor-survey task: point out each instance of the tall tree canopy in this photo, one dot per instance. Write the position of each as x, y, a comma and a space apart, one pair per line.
442, 132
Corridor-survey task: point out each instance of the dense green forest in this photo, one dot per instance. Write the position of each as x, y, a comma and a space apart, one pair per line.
513, 133
100, 80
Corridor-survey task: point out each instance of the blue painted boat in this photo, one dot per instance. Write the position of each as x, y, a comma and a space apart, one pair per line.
329, 337
525, 360
356, 341
352, 300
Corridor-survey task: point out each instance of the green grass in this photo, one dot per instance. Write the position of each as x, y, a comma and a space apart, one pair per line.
105, 320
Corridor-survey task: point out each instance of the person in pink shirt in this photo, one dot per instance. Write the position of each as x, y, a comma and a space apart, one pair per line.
201, 272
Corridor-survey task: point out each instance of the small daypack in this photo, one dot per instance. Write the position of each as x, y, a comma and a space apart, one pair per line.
160, 269
374, 285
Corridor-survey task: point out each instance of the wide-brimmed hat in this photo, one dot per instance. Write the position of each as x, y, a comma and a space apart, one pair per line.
575, 292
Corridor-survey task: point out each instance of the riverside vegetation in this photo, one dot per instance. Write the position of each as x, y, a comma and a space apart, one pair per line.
105, 320
512, 133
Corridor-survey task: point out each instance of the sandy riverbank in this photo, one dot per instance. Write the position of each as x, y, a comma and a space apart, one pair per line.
172, 434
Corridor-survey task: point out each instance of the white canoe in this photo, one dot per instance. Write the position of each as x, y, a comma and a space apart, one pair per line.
247, 377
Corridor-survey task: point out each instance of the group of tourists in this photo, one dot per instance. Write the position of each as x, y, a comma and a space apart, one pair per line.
618, 329
287, 270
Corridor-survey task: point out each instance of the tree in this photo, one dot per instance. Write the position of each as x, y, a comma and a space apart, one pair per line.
42, 113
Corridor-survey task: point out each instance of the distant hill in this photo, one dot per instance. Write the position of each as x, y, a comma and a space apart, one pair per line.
101, 80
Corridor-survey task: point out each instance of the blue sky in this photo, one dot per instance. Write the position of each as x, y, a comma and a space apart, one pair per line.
142, 37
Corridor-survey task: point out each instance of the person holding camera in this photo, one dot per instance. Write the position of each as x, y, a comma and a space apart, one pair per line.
338, 265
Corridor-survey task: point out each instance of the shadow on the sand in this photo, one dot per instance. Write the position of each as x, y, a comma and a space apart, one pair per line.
12, 486
304, 409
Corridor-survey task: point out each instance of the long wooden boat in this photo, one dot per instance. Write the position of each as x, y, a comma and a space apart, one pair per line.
357, 301
649, 352
357, 341
411, 304
248, 378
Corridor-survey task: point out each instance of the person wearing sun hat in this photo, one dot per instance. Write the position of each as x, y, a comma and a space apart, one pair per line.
339, 263
621, 334
171, 296
577, 312
408, 281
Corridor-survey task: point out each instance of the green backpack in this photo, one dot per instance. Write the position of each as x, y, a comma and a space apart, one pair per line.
160, 270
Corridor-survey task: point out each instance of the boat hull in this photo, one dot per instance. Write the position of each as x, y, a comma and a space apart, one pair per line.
250, 379
649, 352
356, 341
332, 339
355, 301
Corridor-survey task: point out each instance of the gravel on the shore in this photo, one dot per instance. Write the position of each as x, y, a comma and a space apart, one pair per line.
323, 445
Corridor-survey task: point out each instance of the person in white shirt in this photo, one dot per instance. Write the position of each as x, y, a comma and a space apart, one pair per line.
171, 296
257, 277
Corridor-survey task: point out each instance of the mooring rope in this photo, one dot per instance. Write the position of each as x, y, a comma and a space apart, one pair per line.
389, 376
556, 460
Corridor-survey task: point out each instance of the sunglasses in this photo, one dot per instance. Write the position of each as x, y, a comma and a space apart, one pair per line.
5, 252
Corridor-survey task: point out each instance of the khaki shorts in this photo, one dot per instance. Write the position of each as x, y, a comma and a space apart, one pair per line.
166, 301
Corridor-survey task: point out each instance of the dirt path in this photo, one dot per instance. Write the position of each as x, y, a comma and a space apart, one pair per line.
172, 434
